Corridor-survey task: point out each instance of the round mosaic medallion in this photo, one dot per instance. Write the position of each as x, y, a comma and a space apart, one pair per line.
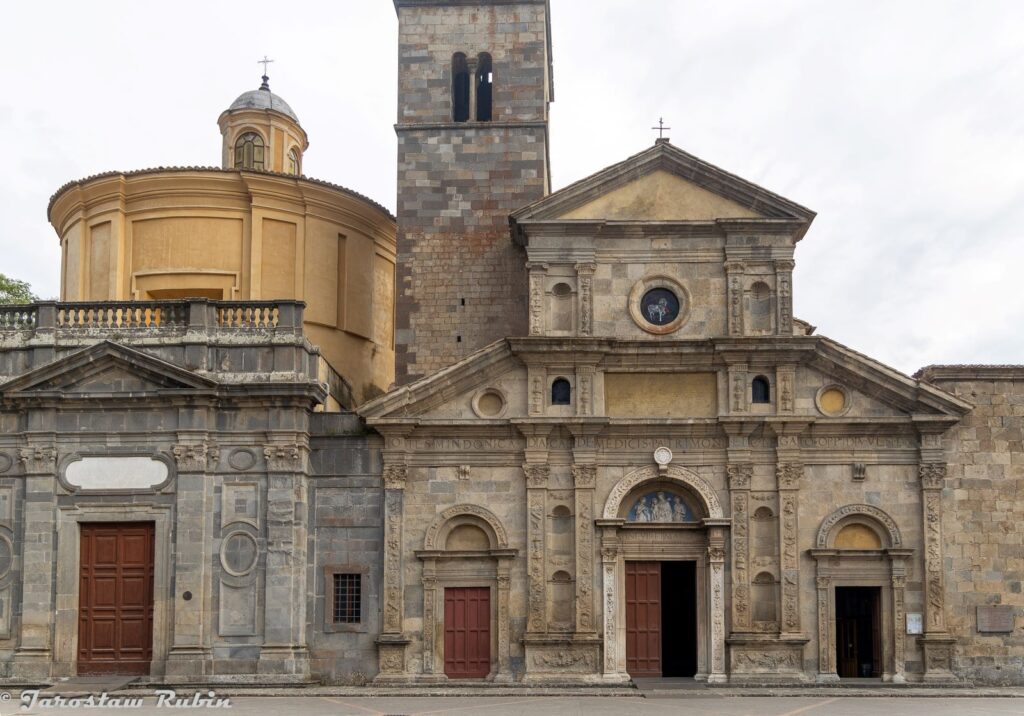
659, 306
238, 555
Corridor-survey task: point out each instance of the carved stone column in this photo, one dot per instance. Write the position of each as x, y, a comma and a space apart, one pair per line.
734, 286
899, 610
936, 642
538, 275
788, 476
190, 645
585, 281
392, 641
739, 492
584, 479
716, 574
536, 531
35, 650
785, 379
429, 617
284, 652
826, 653
504, 649
613, 660
784, 292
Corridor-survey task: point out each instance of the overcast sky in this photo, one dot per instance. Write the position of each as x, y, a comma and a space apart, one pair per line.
900, 123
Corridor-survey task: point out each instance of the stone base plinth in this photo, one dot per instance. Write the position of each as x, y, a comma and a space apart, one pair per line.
284, 663
562, 659
32, 664
766, 659
938, 658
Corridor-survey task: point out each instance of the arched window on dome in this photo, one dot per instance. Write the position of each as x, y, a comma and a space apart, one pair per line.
460, 88
293, 161
249, 151
484, 87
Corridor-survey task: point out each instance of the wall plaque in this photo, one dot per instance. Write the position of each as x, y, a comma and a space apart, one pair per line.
915, 624
996, 619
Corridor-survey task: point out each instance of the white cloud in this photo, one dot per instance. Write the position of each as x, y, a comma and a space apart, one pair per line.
900, 123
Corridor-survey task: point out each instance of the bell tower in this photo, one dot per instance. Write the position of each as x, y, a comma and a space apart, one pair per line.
474, 87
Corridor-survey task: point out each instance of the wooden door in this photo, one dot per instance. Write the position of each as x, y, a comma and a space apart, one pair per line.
846, 632
467, 632
643, 618
115, 598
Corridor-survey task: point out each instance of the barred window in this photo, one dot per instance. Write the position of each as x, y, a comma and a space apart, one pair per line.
348, 598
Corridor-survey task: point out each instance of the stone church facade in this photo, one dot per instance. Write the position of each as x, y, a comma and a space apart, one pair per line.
611, 449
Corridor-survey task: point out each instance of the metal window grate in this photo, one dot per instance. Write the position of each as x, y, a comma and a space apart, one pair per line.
347, 598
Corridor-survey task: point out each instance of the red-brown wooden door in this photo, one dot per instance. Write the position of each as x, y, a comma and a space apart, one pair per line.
115, 598
467, 632
643, 618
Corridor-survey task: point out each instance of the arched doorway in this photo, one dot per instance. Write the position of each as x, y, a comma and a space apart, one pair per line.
466, 584
861, 579
663, 538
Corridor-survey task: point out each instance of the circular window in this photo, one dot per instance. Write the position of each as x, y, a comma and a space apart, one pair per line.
6, 556
659, 304
561, 290
238, 554
833, 400
489, 403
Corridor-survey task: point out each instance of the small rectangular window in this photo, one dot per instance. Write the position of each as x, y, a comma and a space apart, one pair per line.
348, 598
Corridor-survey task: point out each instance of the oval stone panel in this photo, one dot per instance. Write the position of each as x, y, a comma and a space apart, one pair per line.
121, 473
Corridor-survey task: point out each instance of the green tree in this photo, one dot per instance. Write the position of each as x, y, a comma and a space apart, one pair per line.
14, 291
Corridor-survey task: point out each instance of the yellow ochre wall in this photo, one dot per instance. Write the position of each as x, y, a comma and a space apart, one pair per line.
280, 134
237, 235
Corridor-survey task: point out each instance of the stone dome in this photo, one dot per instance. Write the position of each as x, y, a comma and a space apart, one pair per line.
263, 98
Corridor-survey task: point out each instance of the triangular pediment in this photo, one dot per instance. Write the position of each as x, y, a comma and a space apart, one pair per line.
663, 184
106, 369
660, 196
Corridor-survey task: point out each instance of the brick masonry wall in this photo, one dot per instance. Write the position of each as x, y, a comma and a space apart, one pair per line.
983, 538
461, 282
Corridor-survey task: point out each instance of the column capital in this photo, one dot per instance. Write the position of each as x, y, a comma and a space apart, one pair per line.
933, 475
39, 459
395, 476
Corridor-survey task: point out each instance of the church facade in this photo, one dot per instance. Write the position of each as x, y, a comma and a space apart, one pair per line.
610, 451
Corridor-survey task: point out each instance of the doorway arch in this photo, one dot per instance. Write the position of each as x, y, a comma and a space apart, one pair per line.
669, 535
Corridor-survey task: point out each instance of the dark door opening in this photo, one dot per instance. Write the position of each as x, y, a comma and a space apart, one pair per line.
679, 618
115, 593
858, 632
661, 619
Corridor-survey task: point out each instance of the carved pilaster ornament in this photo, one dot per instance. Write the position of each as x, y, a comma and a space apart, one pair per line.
584, 475
739, 486
734, 271
393, 509
536, 475
39, 459
191, 457
537, 392
585, 275
789, 476
537, 274
784, 282
535, 536
584, 559
394, 476
283, 458
899, 584
933, 475
824, 636
585, 390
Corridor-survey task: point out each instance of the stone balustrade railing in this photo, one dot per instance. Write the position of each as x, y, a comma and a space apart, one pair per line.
98, 317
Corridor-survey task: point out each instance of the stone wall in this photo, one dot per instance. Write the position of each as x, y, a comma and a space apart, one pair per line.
346, 534
461, 282
984, 551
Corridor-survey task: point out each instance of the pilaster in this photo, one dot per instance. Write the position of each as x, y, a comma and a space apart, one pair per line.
192, 601
538, 274
784, 291
35, 649
716, 572
734, 271
789, 472
284, 653
585, 283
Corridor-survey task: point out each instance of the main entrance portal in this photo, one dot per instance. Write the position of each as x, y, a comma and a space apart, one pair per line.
661, 619
115, 607
858, 632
